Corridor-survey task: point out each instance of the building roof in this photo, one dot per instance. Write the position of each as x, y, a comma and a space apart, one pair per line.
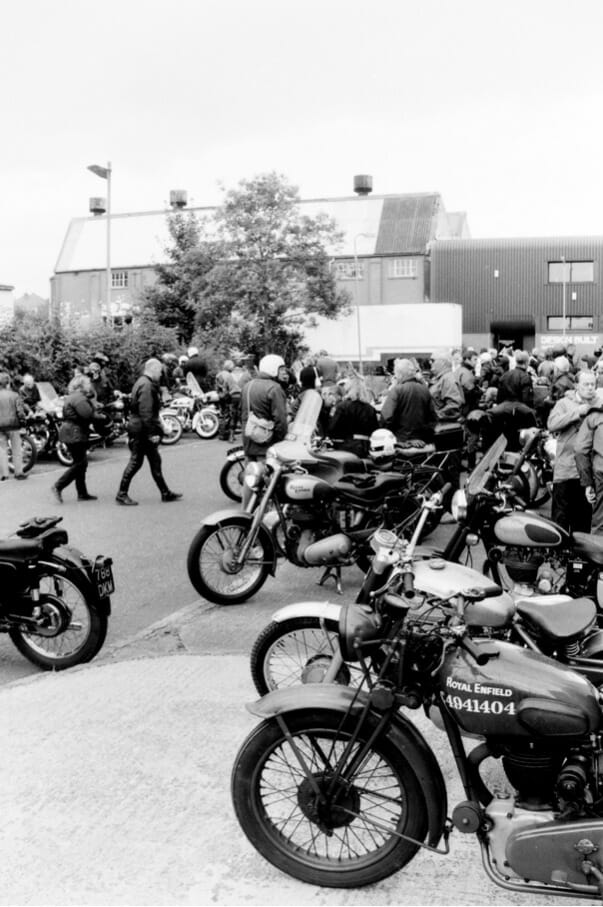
518, 242
371, 224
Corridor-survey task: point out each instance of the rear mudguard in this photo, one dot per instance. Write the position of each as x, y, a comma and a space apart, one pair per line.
327, 611
72, 559
228, 513
408, 739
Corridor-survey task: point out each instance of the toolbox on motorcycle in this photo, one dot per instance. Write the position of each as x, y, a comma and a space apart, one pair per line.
448, 435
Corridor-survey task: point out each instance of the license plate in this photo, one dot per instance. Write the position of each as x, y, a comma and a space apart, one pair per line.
103, 577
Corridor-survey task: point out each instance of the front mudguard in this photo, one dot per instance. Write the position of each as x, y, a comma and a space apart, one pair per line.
408, 739
327, 611
229, 513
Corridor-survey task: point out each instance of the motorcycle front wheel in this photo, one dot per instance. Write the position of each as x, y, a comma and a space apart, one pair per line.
172, 428
295, 651
84, 634
338, 831
206, 424
211, 568
63, 454
29, 454
231, 478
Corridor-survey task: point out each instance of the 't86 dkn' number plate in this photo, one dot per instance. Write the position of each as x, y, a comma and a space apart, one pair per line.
103, 577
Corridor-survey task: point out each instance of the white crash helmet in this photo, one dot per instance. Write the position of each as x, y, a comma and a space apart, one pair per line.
382, 443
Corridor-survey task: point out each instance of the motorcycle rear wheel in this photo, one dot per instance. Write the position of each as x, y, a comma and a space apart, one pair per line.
295, 651
84, 636
352, 838
231, 478
29, 454
208, 554
206, 423
172, 428
63, 454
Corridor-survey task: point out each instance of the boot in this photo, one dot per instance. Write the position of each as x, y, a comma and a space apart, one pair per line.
122, 497
56, 493
87, 497
168, 496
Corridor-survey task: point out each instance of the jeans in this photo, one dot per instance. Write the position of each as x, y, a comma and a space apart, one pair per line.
141, 447
77, 472
12, 437
569, 507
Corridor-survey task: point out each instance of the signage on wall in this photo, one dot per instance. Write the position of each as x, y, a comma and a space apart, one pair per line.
590, 340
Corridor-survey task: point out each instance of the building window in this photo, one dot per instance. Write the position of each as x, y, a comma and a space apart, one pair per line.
575, 271
119, 280
572, 323
402, 267
349, 270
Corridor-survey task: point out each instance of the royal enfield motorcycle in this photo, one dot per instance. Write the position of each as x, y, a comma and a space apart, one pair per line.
338, 787
54, 601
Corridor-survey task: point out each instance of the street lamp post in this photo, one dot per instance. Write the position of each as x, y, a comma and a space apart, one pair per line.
357, 297
563, 265
105, 173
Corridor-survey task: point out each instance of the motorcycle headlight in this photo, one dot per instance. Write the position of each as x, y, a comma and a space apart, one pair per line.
253, 474
357, 623
458, 507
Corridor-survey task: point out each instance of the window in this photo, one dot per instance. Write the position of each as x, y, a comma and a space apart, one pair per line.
349, 270
572, 323
119, 280
402, 267
575, 271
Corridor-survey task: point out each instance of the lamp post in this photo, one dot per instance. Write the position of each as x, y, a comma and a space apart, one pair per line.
357, 296
563, 264
105, 173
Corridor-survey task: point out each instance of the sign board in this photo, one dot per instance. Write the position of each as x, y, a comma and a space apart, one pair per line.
580, 341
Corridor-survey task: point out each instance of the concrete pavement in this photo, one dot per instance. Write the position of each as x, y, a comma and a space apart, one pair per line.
114, 785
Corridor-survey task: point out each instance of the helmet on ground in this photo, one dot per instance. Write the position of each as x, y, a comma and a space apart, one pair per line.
270, 364
382, 443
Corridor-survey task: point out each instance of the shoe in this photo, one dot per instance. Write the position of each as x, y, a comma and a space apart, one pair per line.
122, 497
170, 496
22, 476
87, 497
56, 493
3, 478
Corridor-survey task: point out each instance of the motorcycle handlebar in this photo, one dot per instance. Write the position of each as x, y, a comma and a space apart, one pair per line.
408, 584
480, 657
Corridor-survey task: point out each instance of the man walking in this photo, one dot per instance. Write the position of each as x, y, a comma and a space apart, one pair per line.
144, 434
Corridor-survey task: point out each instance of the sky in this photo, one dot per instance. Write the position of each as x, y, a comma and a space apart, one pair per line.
496, 105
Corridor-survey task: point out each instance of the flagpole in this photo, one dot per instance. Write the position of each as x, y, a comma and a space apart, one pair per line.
108, 275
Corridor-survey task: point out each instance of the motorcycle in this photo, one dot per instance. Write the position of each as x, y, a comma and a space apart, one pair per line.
29, 452
337, 787
55, 602
197, 410
108, 425
317, 519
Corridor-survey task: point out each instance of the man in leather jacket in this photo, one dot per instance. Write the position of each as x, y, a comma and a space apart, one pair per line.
408, 409
144, 434
265, 397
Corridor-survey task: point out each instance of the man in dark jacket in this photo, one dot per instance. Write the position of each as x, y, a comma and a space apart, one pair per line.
408, 410
265, 397
12, 413
144, 434
197, 366
516, 385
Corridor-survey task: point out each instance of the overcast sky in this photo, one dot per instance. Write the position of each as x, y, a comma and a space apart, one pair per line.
498, 106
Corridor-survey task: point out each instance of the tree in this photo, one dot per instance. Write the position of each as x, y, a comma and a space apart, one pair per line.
273, 275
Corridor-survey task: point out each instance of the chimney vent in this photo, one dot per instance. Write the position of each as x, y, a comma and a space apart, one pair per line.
98, 206
178, 198
363, 184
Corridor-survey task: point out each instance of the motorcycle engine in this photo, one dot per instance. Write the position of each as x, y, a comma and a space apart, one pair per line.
347, 517
531, 572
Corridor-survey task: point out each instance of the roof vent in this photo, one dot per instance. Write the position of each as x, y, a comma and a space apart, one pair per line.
178, 198
363, 184
98, 205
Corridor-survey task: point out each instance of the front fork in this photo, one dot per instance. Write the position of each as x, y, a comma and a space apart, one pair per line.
258, 516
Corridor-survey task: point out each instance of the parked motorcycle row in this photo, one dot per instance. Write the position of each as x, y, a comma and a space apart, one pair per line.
336, 786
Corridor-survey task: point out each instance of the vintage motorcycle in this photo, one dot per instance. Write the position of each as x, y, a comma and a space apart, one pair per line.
321, 518
337, 786
55, 602
197, 410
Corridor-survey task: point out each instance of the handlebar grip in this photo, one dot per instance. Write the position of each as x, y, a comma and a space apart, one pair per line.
445, 490
480, 657
408, 584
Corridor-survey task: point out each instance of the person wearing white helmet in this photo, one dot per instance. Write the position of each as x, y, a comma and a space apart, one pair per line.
264, 398
197, 366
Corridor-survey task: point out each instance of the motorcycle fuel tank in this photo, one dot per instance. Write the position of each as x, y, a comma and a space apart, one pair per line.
444, 579
304, 487
517, 693
529, 530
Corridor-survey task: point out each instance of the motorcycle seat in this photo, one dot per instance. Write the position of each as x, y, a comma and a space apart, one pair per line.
559, 620
346, 461
590, 546
371, 488
20, 549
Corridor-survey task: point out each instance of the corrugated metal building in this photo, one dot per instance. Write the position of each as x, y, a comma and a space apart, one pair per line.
520, 289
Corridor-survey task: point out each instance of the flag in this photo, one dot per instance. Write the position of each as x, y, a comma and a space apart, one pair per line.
103, 172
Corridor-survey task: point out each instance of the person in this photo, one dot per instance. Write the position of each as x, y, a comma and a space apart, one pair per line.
588, 451
78, 411
562, 378
408, 410
327, 368
144, 434
265, 398
30, 393
226, 388
468, 382
570, 507
12, 415
354, 419
197, 366
515, 386
445, 391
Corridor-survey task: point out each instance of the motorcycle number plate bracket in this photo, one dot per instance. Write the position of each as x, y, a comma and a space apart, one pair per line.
103, 577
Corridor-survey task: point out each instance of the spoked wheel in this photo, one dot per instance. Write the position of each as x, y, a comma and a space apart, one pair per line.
71, 630
315, 824
211, 562
231, 478
295, 651
63, 454
206, 423
172, 428
29, 454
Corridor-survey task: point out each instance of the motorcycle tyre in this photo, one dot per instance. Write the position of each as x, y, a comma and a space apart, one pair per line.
63, 454
194, 570
231, 479
29, 454
175, 432
92, 644
246, 789
206, 424
276, 631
